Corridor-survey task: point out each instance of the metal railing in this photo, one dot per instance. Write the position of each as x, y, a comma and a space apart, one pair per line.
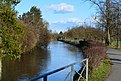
85, 67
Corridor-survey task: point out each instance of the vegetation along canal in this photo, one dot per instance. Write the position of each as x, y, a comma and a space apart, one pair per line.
40, 61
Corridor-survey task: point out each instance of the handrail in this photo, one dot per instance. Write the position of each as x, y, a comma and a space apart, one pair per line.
44, 76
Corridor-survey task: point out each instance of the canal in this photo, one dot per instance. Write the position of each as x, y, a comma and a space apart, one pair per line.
40, 61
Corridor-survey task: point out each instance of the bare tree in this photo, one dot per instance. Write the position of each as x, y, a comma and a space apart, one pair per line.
104, 7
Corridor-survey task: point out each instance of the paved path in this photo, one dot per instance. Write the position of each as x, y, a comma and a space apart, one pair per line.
115, 56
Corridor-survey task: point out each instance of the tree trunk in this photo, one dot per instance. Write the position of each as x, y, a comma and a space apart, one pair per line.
108, 24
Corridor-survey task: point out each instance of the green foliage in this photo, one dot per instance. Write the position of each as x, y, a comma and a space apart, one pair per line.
101, 71
18, 36
11, 36
114, 44
11, 31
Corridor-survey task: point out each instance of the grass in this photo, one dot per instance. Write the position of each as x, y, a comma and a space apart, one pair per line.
101, 72
114, 44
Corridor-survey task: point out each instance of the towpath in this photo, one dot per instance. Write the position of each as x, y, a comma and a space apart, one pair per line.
115, 56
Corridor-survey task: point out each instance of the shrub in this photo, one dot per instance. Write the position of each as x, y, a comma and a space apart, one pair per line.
95, 52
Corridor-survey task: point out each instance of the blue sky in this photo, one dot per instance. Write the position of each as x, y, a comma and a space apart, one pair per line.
61, 14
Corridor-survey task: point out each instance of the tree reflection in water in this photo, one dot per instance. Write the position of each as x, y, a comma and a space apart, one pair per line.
29, 65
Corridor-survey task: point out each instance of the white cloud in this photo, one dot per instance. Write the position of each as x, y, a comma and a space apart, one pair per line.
64, 24
76, 20
59, 21
62, 8
73, 20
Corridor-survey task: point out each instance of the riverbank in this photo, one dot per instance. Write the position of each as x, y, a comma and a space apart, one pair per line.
77, 43
99, 67
102, 71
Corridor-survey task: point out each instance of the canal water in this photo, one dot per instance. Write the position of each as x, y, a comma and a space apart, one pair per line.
41, 61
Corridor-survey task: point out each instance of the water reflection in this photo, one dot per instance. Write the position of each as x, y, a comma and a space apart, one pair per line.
28, 66
40, 61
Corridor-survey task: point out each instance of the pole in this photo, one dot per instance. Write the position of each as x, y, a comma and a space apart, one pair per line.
87, 70
72, 72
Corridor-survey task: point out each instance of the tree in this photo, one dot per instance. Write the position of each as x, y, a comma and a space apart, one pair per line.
104, 7
38, 26
88, 33
11, 30
108, 22
107, 12
60, 36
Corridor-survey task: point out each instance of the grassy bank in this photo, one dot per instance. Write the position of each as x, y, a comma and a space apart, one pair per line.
114, 44
101, 72
78, 43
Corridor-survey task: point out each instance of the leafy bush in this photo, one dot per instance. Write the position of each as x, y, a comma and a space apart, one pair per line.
11, 35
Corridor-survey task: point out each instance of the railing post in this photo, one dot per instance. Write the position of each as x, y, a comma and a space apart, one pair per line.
45, 78
72, 72
87, 69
